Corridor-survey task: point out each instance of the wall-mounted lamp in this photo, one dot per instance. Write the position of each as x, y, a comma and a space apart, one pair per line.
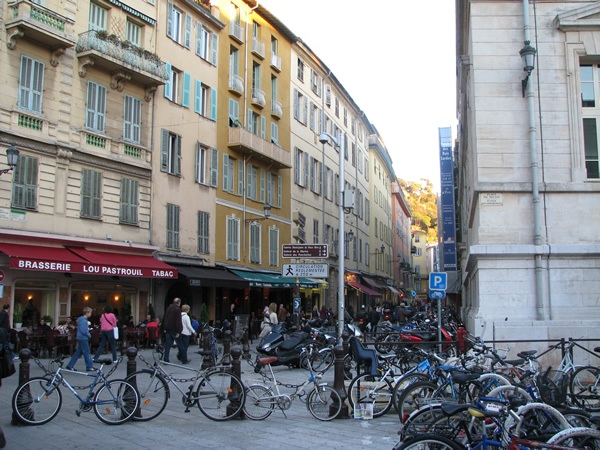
12, 156
349, 236
528, 55
266, 212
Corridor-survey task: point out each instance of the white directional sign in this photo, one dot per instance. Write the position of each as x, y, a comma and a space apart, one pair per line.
305, 270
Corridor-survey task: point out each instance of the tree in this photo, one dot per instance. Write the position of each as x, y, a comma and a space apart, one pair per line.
423, 205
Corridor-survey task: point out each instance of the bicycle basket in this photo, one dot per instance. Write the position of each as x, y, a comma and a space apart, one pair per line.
552, 386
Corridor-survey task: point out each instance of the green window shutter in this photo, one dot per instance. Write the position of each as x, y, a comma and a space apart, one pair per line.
213, 104
187, 87
178, 156
187, 39
169, 82
169, 19
225, 172
214, 48
164, 150
197, 96
214, 168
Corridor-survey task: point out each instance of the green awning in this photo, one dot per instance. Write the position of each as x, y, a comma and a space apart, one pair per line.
261, 279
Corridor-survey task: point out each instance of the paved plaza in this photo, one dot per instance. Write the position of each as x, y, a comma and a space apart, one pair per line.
176, 429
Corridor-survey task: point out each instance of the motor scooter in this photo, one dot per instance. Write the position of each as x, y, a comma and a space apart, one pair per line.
287, 347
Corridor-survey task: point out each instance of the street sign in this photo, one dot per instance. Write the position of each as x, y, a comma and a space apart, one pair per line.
305, 251
438, 281
437, 294
305, 270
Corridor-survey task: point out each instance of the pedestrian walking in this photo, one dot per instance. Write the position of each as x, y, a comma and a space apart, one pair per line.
108, 322
173, 327
186, 334
83, 341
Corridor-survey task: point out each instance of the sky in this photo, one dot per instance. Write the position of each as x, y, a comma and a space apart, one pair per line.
396, 59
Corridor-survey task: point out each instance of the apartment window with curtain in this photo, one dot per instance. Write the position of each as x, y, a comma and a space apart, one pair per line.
132, 119
170, 153
25, 183
95, 107
300, 73
133, 33
228, 173
273, 247
97, 19
203, 232
173, 226
252, 185
590, 109
206, 44
254, 233
232, 248
129, 201
91, 194
31, 85
179, 25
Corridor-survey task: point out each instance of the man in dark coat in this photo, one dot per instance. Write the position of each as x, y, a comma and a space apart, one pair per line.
173, 326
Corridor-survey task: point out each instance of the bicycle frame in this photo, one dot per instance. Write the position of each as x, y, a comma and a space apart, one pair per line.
98, 377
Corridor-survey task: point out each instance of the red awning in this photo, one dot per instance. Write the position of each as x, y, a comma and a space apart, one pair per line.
362, 288
81, 260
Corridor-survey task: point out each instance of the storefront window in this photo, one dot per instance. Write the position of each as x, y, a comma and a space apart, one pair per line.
122, 297
37, 299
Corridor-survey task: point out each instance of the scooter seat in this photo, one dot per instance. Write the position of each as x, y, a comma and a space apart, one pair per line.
267, 360
293, 340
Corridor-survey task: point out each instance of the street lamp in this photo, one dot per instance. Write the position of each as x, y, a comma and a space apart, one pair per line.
528, 55
324, 138
266, 212
12, 156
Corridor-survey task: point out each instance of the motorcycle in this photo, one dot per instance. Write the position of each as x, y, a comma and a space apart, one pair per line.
287, 347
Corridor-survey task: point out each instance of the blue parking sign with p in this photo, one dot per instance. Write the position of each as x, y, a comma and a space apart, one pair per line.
438, 281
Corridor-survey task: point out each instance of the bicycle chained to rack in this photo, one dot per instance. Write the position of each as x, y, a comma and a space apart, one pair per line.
217, 391
38, 400
323, 401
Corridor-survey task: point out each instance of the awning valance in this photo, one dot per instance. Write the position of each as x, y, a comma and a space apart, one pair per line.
393, 289
80, 260
206, 276
364, 289
373, 283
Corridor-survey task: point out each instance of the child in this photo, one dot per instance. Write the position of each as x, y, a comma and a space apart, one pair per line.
83, 344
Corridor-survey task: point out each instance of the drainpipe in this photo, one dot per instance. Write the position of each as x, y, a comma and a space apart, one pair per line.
535, 194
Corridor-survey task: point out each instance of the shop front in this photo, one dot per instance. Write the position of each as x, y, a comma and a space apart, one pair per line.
57, 279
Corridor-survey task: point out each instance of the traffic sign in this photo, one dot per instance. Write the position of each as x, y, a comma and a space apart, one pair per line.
437, 294
438, 281
305, 270
305, 251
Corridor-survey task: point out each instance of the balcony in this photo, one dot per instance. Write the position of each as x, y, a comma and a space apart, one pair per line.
236, 31
258, 48
276, 61
247, 143
34, 22
276, 109
236, 84
258, 98
123, 60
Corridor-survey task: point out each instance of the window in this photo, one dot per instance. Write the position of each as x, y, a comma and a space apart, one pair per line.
252, 175
97, 17
253, 122
201, 98
301, 168
315, 231
233, 239
170, 153
337, 107
234, 113
274, 133
214, 167
279, 190
172, 226
132, 119
273, 247
25, 178
254, 232
129, 202
179, 25
206, 44
133, 33
270, 188
300, 70
240, 183
590, 77
327, 95
315, 176
203, 232
228, 172
300, 107
316, 84
95, 107
202, 174
178, 81
91, 193
31, 85
234, 60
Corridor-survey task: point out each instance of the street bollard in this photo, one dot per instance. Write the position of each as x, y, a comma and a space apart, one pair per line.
132, 368
25, 356
236, 369
226, 360
245, 346
338, 382
205, 352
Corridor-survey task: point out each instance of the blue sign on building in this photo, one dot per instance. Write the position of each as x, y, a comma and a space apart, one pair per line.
448, 225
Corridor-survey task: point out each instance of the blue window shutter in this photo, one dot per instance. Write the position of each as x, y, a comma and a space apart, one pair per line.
164, 150
214, 43
187, 39
169, 83
187, 86
213, 104
197, 96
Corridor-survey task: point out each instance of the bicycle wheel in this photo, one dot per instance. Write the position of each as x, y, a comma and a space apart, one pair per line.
154, 394
537, 421
37, 401
414, 396
116, 402
220, 395
402, 383
580, 437
373, 390
429, 442
584, 388
322, 360
324, 403
259, 402
349, 367
420, 420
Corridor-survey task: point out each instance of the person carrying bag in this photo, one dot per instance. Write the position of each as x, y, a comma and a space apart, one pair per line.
109, 333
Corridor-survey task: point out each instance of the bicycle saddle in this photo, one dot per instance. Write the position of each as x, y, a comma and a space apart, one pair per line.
106, 362
267, 360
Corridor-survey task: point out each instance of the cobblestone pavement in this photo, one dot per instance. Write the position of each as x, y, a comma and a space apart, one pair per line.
176, 429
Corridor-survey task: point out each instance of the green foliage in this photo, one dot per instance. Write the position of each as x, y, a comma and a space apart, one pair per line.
423, 205
18, 313
203, 314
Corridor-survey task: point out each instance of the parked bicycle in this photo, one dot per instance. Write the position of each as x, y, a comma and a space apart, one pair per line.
217, 391
323, 402
38, 400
